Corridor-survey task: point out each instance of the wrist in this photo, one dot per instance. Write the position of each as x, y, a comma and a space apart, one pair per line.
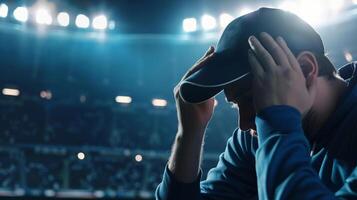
280, 118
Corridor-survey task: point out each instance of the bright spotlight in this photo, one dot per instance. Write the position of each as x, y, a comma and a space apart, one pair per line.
10, 92
159, 102
208, 22
312, 11
100, 22
354, 1
63, 19
81, 156
336, 5
189, 25
225, 19
3, 10
21, 14
82, 21
289, 6
245, 11
138, 158
43, 17
46, 94
123, 99
348, 56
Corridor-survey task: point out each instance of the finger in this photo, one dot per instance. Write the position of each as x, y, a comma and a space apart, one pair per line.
257, 68
291, 57
198, 66
262, 54
275, 50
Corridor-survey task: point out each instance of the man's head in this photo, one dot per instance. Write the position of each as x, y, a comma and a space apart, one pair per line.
230, 62
229, 69
239, 93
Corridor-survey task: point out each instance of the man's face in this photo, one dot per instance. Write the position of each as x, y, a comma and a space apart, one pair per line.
240, 95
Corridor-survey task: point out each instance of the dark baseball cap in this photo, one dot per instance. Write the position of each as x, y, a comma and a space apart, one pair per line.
230, 62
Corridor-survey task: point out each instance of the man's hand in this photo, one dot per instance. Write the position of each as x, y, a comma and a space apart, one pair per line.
185, 158
193, 118
278, 77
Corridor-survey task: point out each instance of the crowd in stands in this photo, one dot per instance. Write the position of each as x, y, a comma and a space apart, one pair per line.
40, 142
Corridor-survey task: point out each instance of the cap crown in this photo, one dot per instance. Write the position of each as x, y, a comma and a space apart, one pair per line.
299, 35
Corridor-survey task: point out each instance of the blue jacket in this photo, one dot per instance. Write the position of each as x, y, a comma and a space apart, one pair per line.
279, 164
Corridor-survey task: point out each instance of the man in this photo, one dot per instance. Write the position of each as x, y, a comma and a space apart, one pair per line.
297, 116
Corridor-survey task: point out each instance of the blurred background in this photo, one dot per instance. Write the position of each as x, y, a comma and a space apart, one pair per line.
86, 104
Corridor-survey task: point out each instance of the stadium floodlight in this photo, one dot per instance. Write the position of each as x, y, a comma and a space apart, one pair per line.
189, 25
3, 10
123, 99
21, 14
289, 6
225, 19
312, 11
10, 92
46, 94
81, 155
138, 158
100, 22
63, 19
82, 21
245, 11
159, 102
43, 17
208, 22
336, 5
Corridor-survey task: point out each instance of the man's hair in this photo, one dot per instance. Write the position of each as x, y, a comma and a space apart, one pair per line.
326, 68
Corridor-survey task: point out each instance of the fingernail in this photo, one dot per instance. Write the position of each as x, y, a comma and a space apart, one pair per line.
263, 34
280, 39
250, 41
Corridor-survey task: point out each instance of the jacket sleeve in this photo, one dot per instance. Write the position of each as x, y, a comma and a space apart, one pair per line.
233, 177
283, 158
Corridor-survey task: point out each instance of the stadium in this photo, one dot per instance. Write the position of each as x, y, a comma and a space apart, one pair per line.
87, 105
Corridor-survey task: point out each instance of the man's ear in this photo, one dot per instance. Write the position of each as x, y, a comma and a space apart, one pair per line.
309, 66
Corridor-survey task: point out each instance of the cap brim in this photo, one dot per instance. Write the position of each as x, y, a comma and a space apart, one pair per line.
207, 82
196, 94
